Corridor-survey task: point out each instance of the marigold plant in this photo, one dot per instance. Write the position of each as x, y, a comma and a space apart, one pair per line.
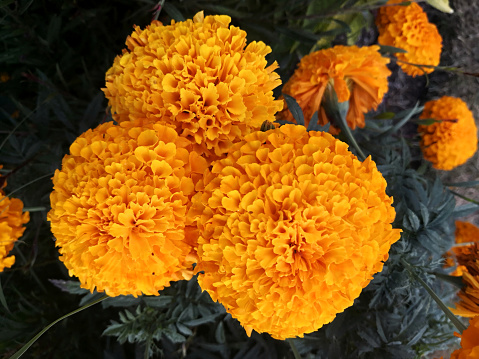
198, 75
408, 28
119, 205
358, 75
292, 227
469, 342
468, 306
12, 219
452, 140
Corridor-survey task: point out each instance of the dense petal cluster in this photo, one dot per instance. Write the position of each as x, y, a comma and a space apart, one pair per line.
466, 233
408, 28
468, 306
292, 227
119, 206
469, 342
358, 75
452, 140
12, 219
198, 75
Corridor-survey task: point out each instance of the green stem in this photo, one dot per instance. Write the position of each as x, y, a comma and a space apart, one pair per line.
457, 323
463, 197
26, 185
294, 349
34, 209
35, 338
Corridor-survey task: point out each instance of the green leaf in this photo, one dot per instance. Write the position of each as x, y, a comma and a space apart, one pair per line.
2, 298
465, 210
463, 184
294, 108
456, 281
173, 11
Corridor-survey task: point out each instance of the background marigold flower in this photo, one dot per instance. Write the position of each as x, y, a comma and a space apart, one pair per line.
468, 306
12, 219
452, 141
198, 75
469, 342
119, 205
358, 75
292, 227
408, 28
465, 233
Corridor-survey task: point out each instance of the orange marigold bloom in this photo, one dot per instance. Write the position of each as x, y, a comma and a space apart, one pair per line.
12, 219
292, 227
451, 141
358, 75
465, 233
198, 75
408, 28
119, 205
468, 306
469, 342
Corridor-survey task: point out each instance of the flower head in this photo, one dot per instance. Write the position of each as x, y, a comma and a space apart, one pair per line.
408, 28
358, 75
452, 140
198, 75
465, 233
292, 227
468, 306
469, 342
119, 205
12, 219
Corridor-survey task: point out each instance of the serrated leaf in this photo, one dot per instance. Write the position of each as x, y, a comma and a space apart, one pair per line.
465, 210
294, 108
200, 321
174, 336
69, 286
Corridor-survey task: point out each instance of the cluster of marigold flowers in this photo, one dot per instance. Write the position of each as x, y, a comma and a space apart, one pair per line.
285, 226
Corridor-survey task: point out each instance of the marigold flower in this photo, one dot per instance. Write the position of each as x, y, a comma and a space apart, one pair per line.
198, 75
119, 205
358, 75
469, 342
451, 141
292, 227
12, 219
408, 28
468, 306
465, 233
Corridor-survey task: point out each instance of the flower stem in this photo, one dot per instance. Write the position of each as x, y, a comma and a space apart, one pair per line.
457, 323
294, 349
35, 338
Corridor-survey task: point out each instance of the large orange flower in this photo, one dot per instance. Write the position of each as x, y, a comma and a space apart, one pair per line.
292, 227
451, 141
198, 75
119, 206
12, 219
408, 28
358, 75
469, 342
